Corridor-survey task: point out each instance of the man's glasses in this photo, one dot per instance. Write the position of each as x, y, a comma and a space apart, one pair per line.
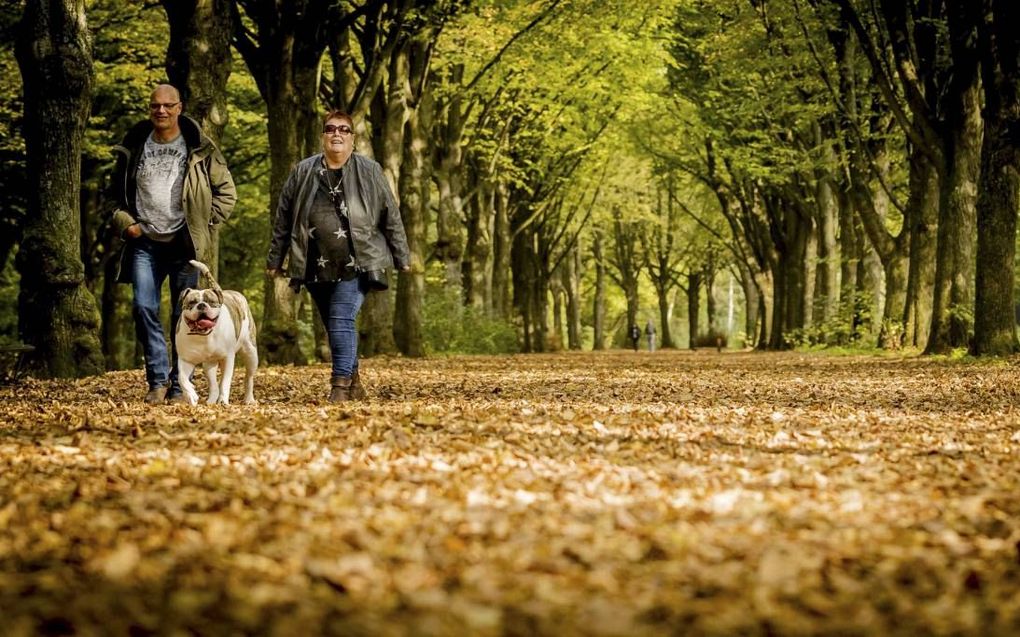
156, 106
343, 129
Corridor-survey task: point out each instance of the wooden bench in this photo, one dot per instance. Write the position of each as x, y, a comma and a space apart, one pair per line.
12, 356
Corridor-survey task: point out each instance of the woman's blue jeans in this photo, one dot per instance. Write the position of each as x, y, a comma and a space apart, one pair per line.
153, 262
339, 304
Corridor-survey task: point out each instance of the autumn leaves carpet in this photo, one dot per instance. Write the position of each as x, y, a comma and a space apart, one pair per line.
612, 493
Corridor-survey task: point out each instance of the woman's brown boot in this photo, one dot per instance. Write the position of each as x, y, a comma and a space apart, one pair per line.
340, 389
357, 389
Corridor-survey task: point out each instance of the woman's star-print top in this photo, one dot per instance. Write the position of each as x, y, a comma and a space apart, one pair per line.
329, 253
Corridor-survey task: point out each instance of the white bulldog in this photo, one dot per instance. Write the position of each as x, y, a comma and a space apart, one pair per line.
215, 325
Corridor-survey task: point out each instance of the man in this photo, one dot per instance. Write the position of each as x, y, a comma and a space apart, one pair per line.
170, 189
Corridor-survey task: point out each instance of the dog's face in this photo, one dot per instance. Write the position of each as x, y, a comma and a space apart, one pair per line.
201, 309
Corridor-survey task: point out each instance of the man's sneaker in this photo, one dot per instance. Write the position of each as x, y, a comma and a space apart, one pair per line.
155, 396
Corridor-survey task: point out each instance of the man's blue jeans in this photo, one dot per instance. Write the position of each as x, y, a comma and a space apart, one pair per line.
153, 262
339, 304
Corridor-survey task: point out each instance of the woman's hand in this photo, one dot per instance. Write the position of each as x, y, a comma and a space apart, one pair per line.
133, 231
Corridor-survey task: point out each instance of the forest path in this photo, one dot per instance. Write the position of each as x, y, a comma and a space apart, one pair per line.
619, 493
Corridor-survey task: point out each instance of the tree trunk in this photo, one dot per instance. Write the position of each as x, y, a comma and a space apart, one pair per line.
118, 349
320, 338
953, 303
414, 210
501, 254
572, 285
276, 338
790, 232
780, 299
555, 339
198, 63
752, 304
525, 287
667, 337
850, 248
711, 321
540, 292
922, 220
375, 325
599, 297
198, 59
286, 69
387, 113
799, 231
827, 289
693, 308
476, 261
56, 312
998, 201
871, 286
449, 182
627, 263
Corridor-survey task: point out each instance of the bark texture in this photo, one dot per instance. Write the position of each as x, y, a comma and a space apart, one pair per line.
56, 312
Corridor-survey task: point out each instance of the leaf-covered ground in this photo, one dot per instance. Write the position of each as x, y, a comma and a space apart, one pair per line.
618, 494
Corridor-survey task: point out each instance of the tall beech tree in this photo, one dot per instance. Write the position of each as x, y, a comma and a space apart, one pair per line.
935, 69
198, 64
998, 202
57, 314
663, 252
198, 58
282, 45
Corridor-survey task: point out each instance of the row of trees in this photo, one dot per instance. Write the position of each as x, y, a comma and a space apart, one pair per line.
485, 133
859, 150
558, 163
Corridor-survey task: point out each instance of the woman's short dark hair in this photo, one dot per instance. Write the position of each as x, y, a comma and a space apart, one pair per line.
338, 114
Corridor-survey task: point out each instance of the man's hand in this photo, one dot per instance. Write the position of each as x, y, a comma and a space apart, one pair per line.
133, 231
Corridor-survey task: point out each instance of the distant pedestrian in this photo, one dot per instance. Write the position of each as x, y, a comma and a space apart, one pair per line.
635, 336
650, 333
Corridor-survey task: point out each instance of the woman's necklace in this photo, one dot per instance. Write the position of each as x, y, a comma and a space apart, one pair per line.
337, 190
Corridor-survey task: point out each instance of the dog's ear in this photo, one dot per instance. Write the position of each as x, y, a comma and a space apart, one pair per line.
184, 294
219, 295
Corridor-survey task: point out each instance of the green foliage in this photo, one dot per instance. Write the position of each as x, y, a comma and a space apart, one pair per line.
244, 239
8, 303
129, 47
849, 328
451, 328
759, 108
12, 145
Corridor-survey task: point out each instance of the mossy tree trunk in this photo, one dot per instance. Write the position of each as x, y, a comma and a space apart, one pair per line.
56, 312
198, 63
998, 201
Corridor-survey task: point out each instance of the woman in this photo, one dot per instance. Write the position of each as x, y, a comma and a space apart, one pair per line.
338, 225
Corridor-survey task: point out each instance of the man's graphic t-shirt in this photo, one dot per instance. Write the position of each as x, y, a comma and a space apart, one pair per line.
160, 182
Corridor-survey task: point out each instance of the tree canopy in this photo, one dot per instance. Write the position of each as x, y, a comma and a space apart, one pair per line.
566, 168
